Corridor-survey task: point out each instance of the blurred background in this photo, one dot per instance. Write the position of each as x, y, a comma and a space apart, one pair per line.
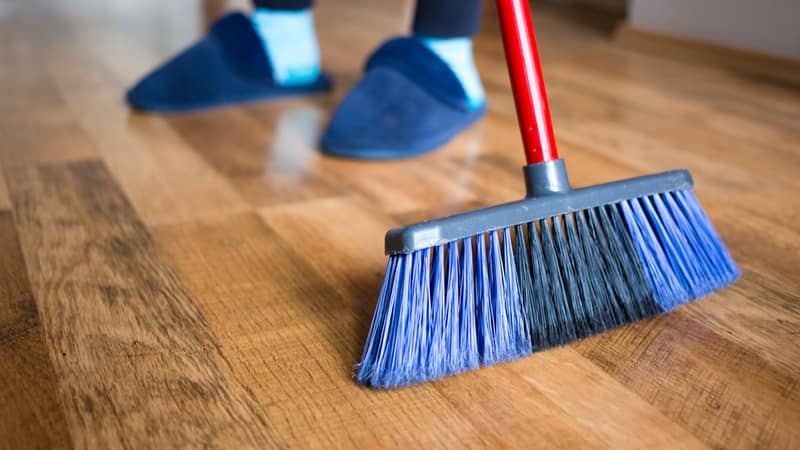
768, 26
765, 26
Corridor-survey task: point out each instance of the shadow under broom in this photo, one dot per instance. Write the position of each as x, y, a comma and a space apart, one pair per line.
559, 265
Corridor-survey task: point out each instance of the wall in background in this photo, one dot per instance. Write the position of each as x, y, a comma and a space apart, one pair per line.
615, 6
770, 26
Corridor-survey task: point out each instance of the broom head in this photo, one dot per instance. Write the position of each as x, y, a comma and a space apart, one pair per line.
496, 284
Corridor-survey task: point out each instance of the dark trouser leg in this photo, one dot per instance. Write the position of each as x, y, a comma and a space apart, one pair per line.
283, 4
434, 18
447, 18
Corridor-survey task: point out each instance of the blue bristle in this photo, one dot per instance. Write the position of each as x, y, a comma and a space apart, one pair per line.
667, 289
683, 255
704, 242
499, 333
706, 238
468, 334
693, 268
515, 310
437, 344
366, 367
703, 265
672, 248
504, 330
457, 306
452, 310
416, 341
378, 354
483, 302
389, 365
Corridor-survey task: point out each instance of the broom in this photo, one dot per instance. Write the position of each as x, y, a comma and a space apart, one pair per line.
492, 285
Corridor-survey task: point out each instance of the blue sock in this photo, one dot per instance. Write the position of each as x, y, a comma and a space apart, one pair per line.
291, 42
457, 53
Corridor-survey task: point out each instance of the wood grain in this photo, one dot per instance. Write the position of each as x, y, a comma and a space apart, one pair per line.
296, 340
5, 201
270, 161
137, 363
37, 126
208, 279
29, 401
698, 389
605, 406
165, 180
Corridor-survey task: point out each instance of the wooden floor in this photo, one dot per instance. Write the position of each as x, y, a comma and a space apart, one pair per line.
209, 279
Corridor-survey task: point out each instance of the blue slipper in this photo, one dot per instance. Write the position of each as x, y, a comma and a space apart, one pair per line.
409, 102
228, 66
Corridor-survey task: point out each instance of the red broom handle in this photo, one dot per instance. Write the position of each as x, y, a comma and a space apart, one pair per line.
527, 81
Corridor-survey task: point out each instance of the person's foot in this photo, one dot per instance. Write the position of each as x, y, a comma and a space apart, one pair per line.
268, 55
416, 94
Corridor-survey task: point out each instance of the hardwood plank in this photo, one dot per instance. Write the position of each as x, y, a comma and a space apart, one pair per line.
704, 382
591, 396
137, 363
37, 127
38, 139
293, 341
507, 410
758, 316
270, 161
30, 410
761, 245
161, 174
274, 159
5, 201
348, 258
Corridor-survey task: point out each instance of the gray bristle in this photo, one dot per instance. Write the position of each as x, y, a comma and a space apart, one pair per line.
609, 311
579, 275
593, 296
533, 315
560, 326
569, 279
612, 269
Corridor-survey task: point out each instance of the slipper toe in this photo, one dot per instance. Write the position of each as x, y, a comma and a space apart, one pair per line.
408, 103
227, 66
182, 84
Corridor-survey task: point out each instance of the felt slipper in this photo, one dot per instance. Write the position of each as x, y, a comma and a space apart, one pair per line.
227, 66
409, 102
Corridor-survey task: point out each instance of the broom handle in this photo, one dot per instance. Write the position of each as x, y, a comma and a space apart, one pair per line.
527, 82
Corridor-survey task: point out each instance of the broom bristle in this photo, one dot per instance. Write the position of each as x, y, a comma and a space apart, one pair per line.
557, 280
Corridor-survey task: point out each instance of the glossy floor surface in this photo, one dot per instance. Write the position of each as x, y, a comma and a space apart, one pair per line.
209, 279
